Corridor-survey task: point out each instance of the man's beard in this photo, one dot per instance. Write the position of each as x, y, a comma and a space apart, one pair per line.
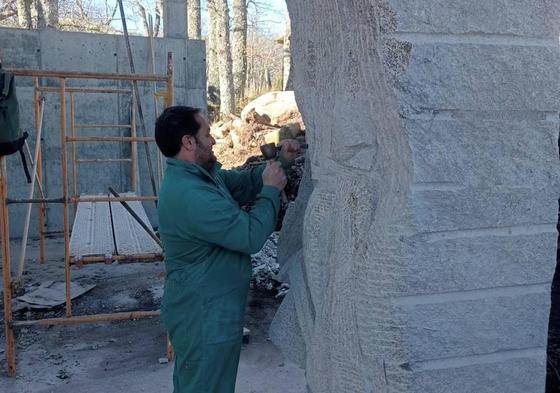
205, 157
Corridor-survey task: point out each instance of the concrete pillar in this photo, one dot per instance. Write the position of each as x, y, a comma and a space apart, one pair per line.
422, 248
175, 18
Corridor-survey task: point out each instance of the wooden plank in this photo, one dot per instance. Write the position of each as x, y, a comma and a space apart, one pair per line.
92, 232
130, 237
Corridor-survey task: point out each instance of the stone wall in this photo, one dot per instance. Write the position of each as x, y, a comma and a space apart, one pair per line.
55, 50
421, 250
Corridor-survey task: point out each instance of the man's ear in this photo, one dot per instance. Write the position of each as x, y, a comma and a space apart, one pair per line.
188, 142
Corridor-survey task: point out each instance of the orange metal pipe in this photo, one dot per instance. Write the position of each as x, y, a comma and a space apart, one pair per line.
112, 199
87, 126
89, 318
86, 75
85, 90
120, 258
7, 271
133, 146
74, 147
101, 160
109, 139
64, 163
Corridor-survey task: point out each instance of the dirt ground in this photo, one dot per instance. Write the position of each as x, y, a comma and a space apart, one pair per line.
124, 356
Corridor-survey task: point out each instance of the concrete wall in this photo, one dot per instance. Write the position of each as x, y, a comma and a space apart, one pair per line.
422, 248
54, 50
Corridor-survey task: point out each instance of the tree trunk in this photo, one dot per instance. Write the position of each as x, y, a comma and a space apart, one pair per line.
141, 10
50, 9
159, 14
193, 19
24, 14
239, 48
287, 59
211, 49
227, 102
39, 14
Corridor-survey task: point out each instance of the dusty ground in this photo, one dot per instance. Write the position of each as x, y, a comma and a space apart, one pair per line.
123, 356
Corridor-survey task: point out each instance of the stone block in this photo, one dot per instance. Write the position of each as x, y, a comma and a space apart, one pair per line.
483, 207
537, 18
479, 78
473, 152
524, 374
287, 334
488, 322
451, 265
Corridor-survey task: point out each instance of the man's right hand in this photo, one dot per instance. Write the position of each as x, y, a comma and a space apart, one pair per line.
274, 175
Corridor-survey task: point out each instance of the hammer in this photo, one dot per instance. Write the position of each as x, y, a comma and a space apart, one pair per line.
270, 152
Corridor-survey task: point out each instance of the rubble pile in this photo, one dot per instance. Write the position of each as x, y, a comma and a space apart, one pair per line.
267, 119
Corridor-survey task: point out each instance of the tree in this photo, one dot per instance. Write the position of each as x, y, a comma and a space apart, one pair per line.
50, 9
212, 74
140, 10
70, 15
24, 14
227, 100
159, 17
287, 59
193, 19
239, 48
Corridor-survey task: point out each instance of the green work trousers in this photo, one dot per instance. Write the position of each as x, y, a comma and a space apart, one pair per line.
216, 372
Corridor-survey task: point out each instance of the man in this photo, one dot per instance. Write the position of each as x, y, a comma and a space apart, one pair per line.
208, 240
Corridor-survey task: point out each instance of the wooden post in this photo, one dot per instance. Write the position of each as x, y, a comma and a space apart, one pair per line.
64, 164
7, 271
39, 163
34, 177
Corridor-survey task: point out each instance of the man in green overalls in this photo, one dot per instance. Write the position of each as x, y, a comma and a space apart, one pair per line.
208, 240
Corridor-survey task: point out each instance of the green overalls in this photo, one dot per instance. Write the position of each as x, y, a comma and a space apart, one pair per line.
208, 240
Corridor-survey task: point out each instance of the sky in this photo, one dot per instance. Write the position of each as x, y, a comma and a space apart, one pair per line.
271, 16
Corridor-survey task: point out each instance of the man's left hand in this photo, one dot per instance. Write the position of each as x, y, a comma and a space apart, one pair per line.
290, 149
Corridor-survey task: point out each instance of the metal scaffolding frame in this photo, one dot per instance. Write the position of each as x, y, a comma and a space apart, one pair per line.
74, 198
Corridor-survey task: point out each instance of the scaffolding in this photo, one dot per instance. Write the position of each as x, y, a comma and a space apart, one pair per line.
72, 197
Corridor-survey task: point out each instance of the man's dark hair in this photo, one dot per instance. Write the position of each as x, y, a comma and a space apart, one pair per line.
174, 123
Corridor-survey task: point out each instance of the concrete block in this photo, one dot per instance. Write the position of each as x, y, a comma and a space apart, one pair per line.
537, 18
482, 207
480, 78
524, 374
193, 97
477, 152
442, 326
20, 48
175, 19
196, 64
451, 265
140, 47
66, 51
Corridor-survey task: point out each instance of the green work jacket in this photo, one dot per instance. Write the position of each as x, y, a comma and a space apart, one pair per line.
208, 240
